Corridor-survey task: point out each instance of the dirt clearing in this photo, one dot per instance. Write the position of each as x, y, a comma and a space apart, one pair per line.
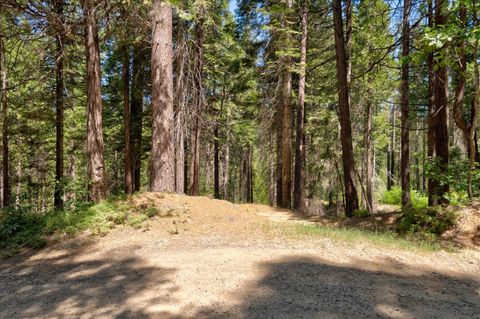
214, 259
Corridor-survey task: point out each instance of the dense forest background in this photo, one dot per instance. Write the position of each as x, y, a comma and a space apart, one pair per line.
312, 105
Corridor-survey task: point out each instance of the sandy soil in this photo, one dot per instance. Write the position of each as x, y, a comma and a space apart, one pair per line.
216, 260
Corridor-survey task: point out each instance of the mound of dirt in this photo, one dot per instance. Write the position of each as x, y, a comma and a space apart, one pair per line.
198, 215
467, 231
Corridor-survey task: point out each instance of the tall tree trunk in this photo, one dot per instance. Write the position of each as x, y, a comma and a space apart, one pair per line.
216, 143
216, 162
418, 150
467, 128
348, 45
194, 185
460, 88
391, 152
475, 107
431, 109
95, 146
226, 167
6, 189
279, 132
126, 120
136, 110
286, 122
389, 185
59, 107
441, 108
351, 196
424, 156
180, 161
180, 115
300, 138
405, 107
287, 141
369, 147
162, 162
250, 174
243, 178
477, 153
283, 121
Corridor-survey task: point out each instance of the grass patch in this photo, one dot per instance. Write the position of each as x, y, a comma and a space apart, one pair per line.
21, 228
428, 222
137, 220
361, 213
353, 235
394, 197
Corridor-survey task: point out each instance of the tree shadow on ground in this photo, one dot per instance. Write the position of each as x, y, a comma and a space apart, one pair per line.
97, 286
302, 287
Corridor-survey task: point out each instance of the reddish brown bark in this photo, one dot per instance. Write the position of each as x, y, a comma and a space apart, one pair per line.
95, 146
404, 90
194, 185
300, 136
59, 106
136, 110
468, 128
162, 161
351, 196
441, 110
431, 109
126, 121
180, 98
6, 189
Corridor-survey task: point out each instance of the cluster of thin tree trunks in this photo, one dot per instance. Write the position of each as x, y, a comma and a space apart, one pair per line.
174, 166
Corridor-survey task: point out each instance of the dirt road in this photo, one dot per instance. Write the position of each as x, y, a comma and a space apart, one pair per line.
233, 271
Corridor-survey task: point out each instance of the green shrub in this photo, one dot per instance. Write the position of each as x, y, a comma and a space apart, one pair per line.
361, 213
118, 217
137, 220
20, 227
152, 211
394, 197
428, 221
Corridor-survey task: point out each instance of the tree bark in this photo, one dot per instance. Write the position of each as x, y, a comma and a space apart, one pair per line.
287, 141
59, 106
351, 196
250, 175
300, 136
194, 185
404, 90
95, 146
431, 109
136, 111
285, 125
180, 115
126, 120
226, 167
369, 147
467, 128
279, 132
6, 189
391, 151
441, 109
162, 162
216, 162
475, 108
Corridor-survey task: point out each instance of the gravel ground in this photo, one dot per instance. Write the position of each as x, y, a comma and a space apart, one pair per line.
231, 270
